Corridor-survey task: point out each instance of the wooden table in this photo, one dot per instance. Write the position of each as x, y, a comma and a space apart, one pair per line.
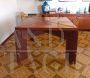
82, 21
45, 24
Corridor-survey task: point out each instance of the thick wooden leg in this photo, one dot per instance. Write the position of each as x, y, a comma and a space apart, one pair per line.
71, 45
21, 44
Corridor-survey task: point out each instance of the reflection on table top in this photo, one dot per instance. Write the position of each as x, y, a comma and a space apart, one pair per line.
46, 22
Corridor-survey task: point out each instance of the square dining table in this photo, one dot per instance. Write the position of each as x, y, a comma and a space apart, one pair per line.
60, 26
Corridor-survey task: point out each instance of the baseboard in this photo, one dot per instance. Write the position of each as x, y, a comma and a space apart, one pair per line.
7, 39
31, 14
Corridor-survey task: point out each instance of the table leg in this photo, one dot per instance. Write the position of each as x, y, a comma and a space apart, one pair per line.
21, 44
71, 46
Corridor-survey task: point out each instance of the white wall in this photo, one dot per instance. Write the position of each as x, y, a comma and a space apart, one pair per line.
72, 6
31, 6
7, 7
8, 10
28, 6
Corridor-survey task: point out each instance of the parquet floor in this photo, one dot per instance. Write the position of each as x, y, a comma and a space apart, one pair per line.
44, 61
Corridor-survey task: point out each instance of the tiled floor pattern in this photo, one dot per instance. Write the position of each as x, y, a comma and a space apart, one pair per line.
44, 61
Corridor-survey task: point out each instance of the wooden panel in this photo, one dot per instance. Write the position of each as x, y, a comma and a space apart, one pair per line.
84, 23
